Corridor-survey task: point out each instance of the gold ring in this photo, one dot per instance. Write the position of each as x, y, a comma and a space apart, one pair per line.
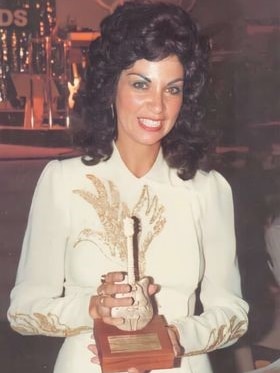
102, 300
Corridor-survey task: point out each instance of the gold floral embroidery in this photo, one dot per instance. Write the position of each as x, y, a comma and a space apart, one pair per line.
222, 335
111, 212
48, 324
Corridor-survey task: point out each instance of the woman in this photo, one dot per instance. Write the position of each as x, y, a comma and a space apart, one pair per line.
142, 144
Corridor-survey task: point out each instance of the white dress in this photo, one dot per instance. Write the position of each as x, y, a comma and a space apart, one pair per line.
75, 234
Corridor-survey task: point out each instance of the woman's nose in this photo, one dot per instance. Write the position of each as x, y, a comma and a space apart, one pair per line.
156, 102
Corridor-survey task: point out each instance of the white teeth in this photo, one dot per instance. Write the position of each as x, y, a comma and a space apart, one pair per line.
150, 122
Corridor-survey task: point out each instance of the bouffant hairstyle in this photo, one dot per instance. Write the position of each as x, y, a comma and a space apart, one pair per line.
152, 31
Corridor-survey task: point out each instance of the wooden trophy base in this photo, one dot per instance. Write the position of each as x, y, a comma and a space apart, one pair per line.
146, 349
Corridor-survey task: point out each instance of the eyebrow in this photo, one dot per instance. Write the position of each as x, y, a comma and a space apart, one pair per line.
149, 80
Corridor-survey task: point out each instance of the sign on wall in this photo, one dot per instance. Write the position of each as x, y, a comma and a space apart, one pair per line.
17, 17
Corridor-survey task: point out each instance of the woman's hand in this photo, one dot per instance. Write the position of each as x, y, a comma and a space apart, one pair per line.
101, 304
175, 340
95, 360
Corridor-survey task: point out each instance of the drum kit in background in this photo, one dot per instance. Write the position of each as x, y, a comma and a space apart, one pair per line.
55, 71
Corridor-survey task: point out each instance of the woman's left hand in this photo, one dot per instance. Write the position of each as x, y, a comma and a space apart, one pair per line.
175, 340
95, 359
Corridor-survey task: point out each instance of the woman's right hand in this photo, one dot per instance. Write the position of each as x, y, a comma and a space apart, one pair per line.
101, 304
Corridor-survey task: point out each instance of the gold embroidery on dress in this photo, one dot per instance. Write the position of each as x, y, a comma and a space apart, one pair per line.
39, 323
111, 212
222, 335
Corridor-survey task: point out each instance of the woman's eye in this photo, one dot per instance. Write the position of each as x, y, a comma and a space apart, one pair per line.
140, 85
174, 90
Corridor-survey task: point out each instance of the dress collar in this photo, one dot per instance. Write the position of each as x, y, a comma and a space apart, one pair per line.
159, 172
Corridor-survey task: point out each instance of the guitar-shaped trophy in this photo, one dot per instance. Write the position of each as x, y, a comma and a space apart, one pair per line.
138, 315
142, 341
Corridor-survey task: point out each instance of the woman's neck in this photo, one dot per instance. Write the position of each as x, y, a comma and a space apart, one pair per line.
138, 159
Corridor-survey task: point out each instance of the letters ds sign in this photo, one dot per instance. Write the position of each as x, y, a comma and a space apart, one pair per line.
17, 17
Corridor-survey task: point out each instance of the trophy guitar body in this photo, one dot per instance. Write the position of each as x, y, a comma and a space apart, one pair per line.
138, 315
142, 341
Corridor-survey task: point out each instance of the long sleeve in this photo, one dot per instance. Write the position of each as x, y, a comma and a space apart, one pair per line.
224, 317
38, 305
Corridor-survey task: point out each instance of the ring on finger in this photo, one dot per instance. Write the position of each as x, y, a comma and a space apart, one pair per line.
102, 300
101, 292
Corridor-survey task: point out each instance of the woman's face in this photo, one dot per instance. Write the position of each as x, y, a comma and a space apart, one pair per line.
148, 100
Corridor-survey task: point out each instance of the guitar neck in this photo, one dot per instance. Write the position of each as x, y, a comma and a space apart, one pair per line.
75, 71
129, 233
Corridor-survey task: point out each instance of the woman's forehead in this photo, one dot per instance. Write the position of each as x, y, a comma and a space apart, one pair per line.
169, 67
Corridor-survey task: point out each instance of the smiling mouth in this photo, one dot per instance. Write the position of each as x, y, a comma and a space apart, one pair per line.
150, 123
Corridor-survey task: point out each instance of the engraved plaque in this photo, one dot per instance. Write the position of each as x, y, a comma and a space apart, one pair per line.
133, 343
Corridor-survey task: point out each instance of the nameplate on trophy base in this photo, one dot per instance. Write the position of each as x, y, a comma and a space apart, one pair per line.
146, 349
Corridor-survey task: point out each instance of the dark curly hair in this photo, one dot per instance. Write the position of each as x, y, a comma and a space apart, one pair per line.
151, 31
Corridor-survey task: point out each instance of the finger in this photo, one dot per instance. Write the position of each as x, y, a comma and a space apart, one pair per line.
102, 307
93, 349
177, 348
112, 289
95, 358
98, 308
115, 321
94, 307
101, 290
112, 277
135, 370
153, 288
107, 302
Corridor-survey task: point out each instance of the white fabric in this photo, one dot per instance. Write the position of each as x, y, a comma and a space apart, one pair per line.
75, 234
